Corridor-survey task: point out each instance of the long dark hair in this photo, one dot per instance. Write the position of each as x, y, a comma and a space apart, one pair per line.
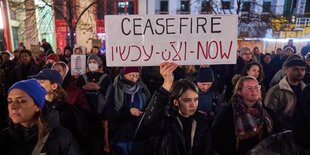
41, 124
249, 65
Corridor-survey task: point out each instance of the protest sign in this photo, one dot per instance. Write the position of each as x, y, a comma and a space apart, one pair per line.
35, 49
96, 42
141, 40
78, 64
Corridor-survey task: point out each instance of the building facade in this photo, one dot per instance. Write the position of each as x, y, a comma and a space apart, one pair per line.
54, 21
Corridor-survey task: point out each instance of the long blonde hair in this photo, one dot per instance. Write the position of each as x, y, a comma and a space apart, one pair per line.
239, 86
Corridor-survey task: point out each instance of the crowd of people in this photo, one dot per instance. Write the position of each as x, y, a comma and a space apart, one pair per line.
257, 106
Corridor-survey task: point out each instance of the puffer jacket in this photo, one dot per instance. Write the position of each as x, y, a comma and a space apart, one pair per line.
281, 143
162, 126
60, 113
281, 99
17, 140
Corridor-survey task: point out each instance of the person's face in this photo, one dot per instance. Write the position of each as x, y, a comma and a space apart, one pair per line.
295, 73
5, 57
250, 91
67, 53
49, 61
288, 52
78, 52
187, 103
47, 85
95, 51
279, 51
256, 51
247, 56
16, 54
267, 59
253, 71
36, 60
59, 69
308, 62
21, 107
204, 86
93, 61
58, 51
133, 76
25, 58
290, 43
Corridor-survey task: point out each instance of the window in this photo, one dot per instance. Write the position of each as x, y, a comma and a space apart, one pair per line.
131, 8
206, 8
100, 9
59, 9
185, 6
246, 7
163, 7
110, 7
121, 8
266, 6
12, 11
15, 37
226, 5
70, 10
307, 9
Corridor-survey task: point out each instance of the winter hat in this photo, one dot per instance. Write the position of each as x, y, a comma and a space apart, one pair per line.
288, 48
94, 57
244, 49
53, 56
127, 70
6, 52
62, 64
33, 89
205, 75
296, 62
49, 74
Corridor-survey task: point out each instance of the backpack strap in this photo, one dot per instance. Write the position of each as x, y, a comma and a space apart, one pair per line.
85, 78
101, 78
38, 148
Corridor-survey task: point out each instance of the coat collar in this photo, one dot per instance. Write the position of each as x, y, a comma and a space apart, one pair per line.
283, 84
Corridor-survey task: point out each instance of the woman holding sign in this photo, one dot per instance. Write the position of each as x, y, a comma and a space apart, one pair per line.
171, 122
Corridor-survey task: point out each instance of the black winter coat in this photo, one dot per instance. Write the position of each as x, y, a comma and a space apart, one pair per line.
21, 72
65, 115
16, 140
224, 137
163, 129
92, 95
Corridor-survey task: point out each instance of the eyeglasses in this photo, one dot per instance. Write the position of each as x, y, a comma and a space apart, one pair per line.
258, 87
134, 75
247, 54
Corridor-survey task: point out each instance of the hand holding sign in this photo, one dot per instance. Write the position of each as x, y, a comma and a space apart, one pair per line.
166, 69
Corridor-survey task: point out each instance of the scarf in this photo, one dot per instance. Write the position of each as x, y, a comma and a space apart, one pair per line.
249, 121
122, 86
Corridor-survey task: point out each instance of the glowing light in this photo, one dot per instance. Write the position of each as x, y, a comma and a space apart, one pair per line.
287, 39
101, 34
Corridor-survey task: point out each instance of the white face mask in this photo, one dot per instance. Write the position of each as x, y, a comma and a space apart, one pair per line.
93, 67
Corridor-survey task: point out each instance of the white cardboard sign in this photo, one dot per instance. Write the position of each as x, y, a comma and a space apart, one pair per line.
148, 40
78, 64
